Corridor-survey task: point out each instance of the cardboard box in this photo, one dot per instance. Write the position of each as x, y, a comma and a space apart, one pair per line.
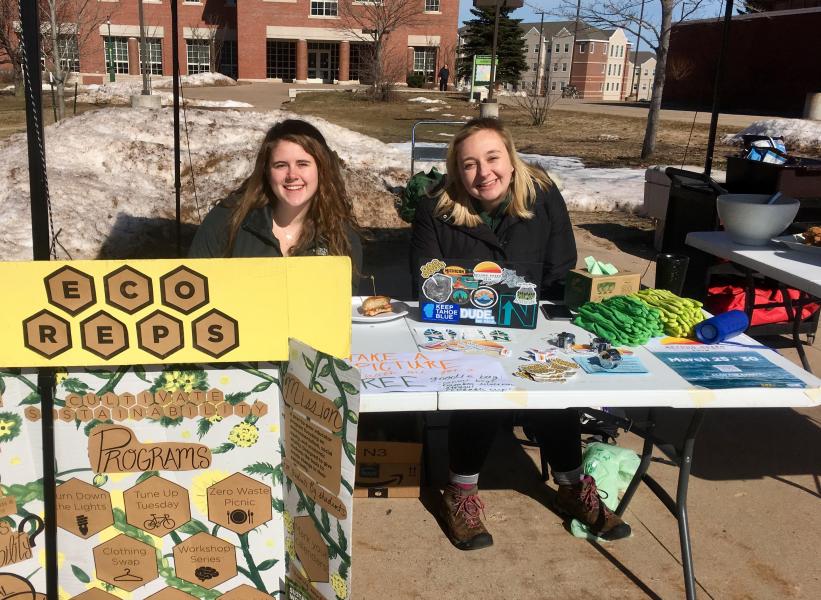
388, 469
580, 286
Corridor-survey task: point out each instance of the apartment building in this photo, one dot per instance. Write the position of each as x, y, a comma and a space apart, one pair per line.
643, 74
595, 63
311, 41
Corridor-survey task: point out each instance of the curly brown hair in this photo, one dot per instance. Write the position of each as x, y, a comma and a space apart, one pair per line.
330, 214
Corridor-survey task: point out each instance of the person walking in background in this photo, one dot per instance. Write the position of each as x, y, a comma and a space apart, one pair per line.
444, 75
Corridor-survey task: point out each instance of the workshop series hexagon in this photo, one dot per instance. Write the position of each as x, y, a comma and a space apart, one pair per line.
205, 560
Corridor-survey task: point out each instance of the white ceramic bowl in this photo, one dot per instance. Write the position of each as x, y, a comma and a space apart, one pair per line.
749, 220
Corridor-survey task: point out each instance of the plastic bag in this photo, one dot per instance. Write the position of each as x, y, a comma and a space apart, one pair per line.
612, 467
418, 186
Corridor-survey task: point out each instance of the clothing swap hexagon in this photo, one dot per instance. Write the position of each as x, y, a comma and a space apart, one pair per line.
109, 331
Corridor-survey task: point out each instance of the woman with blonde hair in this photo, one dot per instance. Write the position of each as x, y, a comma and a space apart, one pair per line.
293, 203
494, 206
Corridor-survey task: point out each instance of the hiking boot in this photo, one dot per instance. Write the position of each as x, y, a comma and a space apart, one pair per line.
582, 502
460, 511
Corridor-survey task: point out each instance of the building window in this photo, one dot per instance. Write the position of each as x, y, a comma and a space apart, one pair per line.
228, 59
154, 48
555, 66
431, 5
564, 66
608, 69
535, 66
536, 50
645, 72
360, 62
424, 62
607, 87
280, 60
621, 51
199, 56
563, 84
117, 51
553, 85
527, 49
618, 86
68, 53
558, 48
325, 8
644, 86
582, 47
567, 47
592, 47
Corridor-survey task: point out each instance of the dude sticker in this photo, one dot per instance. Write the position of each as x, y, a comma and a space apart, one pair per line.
480, 293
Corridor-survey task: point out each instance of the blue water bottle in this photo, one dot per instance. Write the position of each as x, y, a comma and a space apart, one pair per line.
722, 327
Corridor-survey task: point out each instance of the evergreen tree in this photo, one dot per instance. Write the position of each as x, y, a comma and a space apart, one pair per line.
479, 40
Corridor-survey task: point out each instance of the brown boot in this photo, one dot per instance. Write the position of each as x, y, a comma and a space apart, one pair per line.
582, 502
459, 511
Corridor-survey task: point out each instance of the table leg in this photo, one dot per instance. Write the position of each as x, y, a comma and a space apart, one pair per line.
681, 503
644, 465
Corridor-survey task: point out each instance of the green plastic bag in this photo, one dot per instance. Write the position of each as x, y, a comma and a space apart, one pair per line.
612, 468
418, 187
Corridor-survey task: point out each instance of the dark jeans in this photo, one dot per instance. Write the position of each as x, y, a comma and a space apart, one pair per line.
471, 433
443, 85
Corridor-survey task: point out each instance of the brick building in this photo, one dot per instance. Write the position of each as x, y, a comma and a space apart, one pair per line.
286, 40
770, 66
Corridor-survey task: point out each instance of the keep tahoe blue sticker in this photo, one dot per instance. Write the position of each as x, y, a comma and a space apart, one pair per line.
440, 313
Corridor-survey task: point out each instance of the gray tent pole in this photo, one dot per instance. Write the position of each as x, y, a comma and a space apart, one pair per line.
711, 138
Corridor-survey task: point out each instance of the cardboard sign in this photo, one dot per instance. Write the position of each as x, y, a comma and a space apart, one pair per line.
157, 311
157, 506
480, 292
205, 560
319, 457
116, 449
83, 509
8, 506
14, 586
14, 547
239, 503
126, 563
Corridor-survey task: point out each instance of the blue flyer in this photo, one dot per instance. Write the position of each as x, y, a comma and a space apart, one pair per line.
721, 370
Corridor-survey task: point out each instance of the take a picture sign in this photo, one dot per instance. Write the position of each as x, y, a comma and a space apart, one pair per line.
479, 293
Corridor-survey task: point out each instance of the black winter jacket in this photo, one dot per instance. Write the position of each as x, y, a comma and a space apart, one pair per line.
545, 238
255, 238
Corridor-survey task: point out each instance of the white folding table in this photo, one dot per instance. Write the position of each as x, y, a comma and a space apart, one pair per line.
661, 388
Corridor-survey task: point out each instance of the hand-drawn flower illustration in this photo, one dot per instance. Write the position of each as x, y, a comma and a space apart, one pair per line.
244, 435
9, 426
339, 585
200, 485
178, 380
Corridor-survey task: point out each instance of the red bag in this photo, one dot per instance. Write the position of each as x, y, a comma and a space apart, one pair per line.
724, 297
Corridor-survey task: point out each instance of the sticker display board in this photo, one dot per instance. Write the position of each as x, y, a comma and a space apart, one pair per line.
320, 407
479, 293
88, 313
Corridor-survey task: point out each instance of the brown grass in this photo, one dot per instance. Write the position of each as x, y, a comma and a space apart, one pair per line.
566, 133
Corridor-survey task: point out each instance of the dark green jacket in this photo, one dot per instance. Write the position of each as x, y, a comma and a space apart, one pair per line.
255, 238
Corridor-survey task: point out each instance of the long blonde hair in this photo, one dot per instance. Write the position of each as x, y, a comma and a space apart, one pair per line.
330, 214
454, 199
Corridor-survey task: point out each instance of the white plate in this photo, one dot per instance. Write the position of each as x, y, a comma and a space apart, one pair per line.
796, 242
400, 309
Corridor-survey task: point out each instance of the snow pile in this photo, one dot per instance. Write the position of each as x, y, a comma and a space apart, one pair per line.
423, 100
797, 133
118, 93
111, 177
583, 188
433, 109
198, 80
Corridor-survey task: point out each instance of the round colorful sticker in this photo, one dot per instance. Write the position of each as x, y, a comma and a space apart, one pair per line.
484, 297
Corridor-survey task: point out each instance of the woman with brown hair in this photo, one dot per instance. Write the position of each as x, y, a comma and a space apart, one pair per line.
496, 207
293, 203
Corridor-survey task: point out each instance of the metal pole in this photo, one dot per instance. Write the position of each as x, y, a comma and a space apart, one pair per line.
636, 56
711, 137
538, 90
143, 51
110, 53
38, 185
573, 46
493, 53
175, 54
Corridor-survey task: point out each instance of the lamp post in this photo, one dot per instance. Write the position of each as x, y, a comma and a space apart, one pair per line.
110, 52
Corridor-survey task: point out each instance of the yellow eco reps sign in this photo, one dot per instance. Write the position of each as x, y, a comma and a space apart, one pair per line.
87, 313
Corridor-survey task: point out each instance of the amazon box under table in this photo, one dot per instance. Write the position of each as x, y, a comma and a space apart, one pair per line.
580, 286
388, 469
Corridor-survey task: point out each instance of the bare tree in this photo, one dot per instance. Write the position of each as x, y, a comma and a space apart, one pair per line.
10, 42
628, 15
66, 26
536, 105
372, 21
214, 34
